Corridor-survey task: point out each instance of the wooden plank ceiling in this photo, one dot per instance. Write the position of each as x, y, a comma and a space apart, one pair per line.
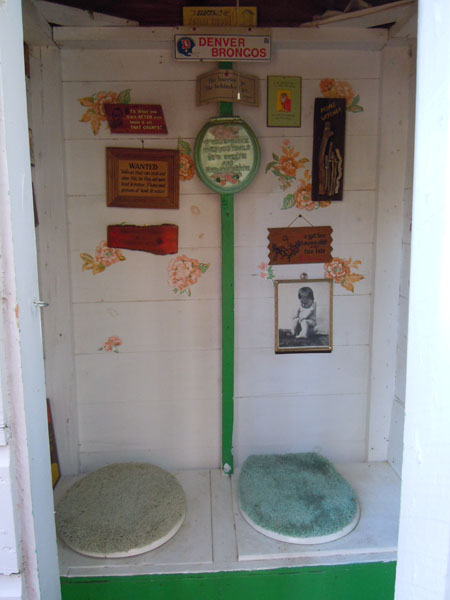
167, 13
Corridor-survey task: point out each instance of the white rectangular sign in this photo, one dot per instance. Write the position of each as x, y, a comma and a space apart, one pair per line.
222, 47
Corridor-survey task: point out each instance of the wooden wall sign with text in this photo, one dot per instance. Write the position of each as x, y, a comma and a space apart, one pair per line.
157, 239
328, 149
220, 16
135, 118
297, 245
223, 85
142, 178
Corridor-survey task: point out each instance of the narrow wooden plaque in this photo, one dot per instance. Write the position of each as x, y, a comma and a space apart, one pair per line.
157, 239
135, 118
296, 245
142, 178
328, 149
223, 85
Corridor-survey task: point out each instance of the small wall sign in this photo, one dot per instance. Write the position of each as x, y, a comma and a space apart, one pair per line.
284, 101
227, 154
220, 16
157, 239
142, 178
223, 85
222, 47
298, 245
328, 149
135, 118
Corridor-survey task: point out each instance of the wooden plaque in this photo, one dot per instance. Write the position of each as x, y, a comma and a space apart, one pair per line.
328, 149
157, 239
142, 178
223, 85
135, 118
297, 245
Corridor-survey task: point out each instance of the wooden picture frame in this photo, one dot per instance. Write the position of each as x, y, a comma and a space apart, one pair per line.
303, 315
142, 178
284, 94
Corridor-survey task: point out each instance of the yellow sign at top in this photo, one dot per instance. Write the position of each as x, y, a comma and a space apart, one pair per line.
218, 16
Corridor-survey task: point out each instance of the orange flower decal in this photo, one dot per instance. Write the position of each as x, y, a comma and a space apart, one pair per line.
186, 167
104, 257
184, 272
95, 112
340, 271
112, 344
302, 197
330, 88
285, 167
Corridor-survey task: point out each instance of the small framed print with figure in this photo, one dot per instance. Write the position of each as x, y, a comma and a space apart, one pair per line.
303, 315
284, 101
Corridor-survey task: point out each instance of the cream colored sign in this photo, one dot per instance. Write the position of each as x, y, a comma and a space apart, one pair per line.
244, 16
226, 85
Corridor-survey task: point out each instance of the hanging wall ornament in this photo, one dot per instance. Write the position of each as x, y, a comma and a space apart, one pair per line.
227, 154
328, 149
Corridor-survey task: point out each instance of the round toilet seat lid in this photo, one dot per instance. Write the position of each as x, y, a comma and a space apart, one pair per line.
121, 510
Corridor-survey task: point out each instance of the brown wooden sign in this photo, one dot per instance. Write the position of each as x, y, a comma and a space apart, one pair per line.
297, 245
328, 149
157, 239
223, 85
135, 118
142, 178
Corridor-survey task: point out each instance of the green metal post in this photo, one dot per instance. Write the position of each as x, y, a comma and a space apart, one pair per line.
227, 214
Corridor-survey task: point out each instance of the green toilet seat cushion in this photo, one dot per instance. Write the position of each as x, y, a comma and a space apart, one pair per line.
297, 498
121, 510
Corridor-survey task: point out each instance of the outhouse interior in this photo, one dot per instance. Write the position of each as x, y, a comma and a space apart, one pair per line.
133, 358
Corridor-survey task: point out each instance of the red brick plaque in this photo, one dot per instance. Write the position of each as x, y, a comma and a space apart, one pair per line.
157, 239
135, 118
297, 245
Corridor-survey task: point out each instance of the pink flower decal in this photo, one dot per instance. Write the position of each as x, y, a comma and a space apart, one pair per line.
185, 272
112, 344
225, 132
104, 257
266, 271
95, 112
339, 270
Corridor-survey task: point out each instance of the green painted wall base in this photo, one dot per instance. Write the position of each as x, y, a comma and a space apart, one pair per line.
368, 581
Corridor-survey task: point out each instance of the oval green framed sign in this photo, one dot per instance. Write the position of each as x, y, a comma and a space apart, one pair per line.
227, 154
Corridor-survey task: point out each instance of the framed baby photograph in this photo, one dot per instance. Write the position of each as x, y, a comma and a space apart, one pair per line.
303, 315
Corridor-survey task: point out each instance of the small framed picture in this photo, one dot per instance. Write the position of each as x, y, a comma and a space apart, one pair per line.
284, 101
303, 315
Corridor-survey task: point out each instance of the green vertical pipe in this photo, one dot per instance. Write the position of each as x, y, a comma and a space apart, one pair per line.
227, 204
227, 213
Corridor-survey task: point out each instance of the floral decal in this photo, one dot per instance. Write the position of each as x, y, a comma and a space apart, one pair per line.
331, 88
112, 344
285, 167
339, 270
185, 272
104, 257
186, 168
225, 132
266, 271
95, 112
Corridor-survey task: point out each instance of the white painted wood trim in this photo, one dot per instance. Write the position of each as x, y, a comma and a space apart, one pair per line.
424, 541
36, 29
23, 361
368, 17
392, 152
147, 37
76, 17
53, 255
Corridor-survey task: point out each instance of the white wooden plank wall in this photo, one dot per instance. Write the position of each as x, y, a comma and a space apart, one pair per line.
395, 452
158, 398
